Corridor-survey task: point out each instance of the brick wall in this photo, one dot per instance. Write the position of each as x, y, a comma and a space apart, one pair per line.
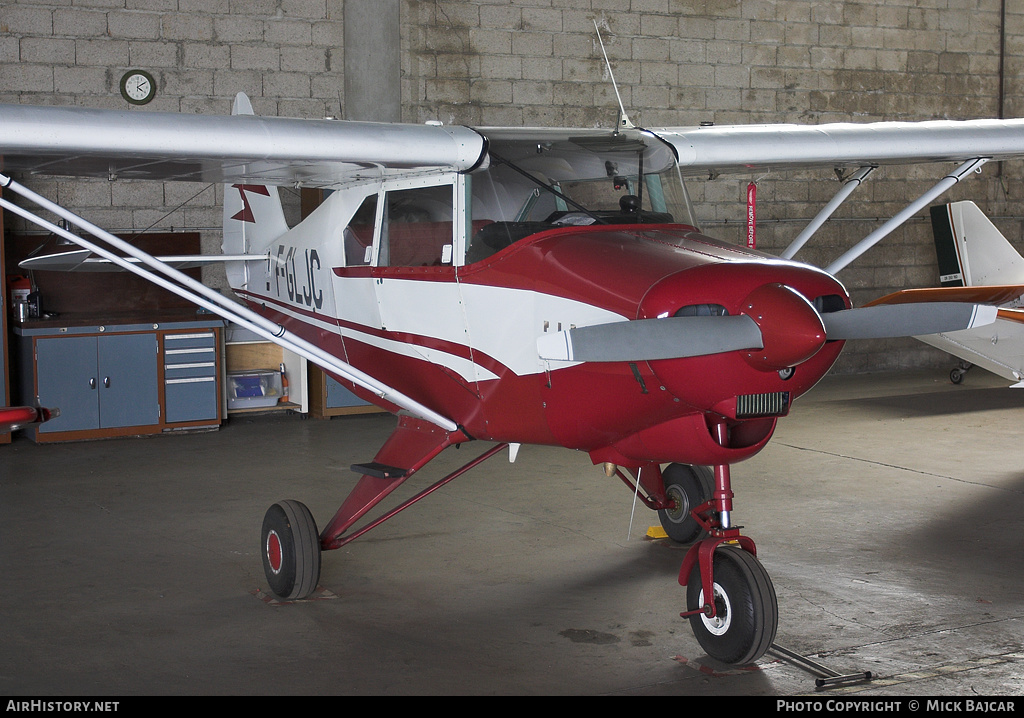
537, 62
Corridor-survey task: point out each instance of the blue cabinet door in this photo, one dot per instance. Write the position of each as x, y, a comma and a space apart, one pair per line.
66, 370
104, 382
127, 378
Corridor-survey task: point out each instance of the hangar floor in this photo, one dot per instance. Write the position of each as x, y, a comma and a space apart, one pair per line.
888, 510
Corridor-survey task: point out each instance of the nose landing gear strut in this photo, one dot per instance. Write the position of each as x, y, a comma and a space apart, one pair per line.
730, 599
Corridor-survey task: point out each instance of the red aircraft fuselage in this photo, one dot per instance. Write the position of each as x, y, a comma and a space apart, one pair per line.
627, 413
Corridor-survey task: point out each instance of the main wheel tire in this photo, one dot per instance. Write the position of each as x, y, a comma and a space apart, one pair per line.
290, 545
746, 608
689, 487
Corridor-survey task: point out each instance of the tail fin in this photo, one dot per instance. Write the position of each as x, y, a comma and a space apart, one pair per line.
970, 250
253, 217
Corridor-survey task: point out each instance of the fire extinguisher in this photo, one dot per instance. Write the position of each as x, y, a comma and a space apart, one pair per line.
284, 386
21, 288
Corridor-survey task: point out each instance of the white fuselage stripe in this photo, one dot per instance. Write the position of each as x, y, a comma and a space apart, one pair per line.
482, 321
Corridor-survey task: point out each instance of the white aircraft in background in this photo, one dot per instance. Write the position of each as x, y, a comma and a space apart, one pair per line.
974, 254
524, 285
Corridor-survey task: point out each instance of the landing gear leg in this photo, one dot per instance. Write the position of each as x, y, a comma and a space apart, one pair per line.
730, 600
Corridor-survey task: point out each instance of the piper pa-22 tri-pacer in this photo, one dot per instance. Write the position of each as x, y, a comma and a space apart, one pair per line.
545, 286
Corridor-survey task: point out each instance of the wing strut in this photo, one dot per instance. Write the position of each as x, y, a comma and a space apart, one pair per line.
207, 298
849, 185
909, 211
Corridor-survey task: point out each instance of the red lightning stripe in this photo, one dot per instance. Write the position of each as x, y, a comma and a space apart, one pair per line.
246, 214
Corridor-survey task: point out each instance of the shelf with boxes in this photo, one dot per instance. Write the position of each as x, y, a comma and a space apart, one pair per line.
262, 376
255, 381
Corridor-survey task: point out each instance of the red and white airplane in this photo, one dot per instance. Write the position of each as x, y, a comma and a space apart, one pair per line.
546, 286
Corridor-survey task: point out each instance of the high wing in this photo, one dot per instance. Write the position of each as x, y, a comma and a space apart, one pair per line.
762, 147
110, 144
715, 150
240, 148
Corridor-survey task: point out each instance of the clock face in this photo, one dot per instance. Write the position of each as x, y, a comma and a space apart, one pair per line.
138, 87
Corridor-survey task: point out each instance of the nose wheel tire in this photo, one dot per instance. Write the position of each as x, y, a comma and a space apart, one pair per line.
290, 545
689, 487
746, 609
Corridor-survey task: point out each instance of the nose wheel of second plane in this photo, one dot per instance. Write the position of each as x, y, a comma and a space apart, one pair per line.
746, 608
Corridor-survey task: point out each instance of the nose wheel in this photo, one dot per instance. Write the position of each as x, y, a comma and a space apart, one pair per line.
746, 611
730, 600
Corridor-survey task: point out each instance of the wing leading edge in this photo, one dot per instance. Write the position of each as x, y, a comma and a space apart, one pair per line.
751, 148
110, 144
88, 142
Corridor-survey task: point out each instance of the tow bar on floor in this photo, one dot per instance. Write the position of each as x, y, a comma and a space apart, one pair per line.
826, 677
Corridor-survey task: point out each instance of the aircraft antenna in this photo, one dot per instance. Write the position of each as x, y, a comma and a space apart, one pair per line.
624, 121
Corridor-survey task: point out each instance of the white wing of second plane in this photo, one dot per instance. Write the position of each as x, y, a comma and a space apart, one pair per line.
997, 347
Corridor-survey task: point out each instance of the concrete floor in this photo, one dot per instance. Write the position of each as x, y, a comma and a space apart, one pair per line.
888, 510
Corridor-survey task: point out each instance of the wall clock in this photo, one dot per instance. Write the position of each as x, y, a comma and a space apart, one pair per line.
138, 87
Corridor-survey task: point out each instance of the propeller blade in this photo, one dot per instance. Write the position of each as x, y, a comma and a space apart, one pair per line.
906, 320
651, 339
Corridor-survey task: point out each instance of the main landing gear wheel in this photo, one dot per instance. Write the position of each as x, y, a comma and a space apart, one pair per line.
291, 550
746, 609
689, 487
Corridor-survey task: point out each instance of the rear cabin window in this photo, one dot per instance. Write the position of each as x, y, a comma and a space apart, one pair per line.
359, 233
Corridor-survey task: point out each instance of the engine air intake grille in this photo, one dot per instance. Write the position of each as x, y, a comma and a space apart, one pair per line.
752, 405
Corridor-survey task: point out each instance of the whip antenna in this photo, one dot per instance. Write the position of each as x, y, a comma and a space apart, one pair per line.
624, 121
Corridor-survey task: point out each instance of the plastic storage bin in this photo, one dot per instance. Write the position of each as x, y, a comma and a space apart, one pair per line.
254, 389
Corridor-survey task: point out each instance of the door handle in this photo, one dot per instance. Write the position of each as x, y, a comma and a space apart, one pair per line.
106, 382
92, 383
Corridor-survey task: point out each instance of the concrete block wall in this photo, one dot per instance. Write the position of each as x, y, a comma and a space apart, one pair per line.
537, 62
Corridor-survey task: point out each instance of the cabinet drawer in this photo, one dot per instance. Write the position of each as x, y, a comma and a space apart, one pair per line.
191, 399
189, 340
192, 355
189, 371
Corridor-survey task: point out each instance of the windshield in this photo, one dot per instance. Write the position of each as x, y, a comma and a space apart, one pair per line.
659, 199
534, 185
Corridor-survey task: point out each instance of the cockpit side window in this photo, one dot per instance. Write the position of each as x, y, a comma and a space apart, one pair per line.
417, 228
